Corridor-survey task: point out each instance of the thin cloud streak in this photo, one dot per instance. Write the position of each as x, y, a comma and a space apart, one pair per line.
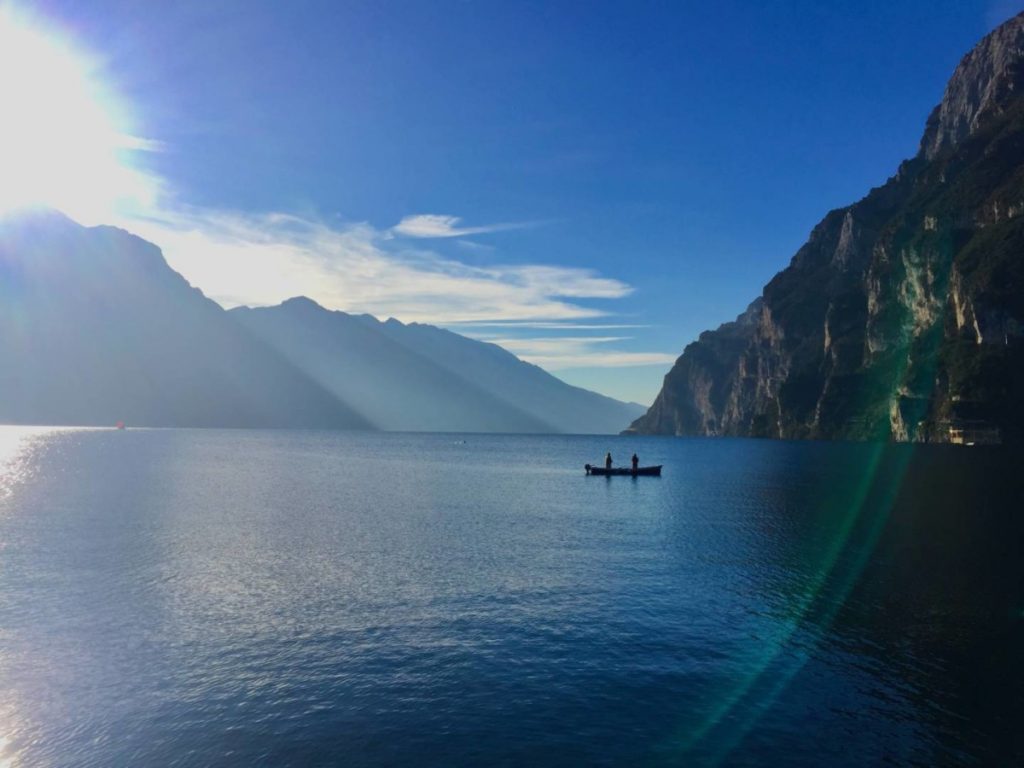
430, 225
140, 144
567, 352
597, 359
556, 326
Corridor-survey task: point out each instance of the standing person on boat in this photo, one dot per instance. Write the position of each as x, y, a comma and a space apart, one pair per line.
608, 460
636, 462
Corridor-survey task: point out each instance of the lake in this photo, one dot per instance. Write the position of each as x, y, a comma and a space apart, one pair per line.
204, 597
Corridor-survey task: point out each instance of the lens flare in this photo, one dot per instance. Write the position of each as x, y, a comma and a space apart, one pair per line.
866, 507
63, 141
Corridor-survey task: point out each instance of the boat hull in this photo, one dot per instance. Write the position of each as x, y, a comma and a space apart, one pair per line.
647, 471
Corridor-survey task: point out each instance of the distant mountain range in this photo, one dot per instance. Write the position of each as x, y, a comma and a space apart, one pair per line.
902, 318
418, 377
96, 328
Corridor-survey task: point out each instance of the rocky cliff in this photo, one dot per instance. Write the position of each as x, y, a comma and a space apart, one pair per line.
902, 317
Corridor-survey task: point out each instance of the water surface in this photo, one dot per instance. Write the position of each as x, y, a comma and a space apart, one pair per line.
180, 597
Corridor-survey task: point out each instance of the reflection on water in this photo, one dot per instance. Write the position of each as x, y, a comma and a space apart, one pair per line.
230, 597
20, 454
16, 445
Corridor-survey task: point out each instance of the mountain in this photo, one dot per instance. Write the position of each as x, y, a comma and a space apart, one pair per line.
96, 328
418, 377
570, 409
902, 317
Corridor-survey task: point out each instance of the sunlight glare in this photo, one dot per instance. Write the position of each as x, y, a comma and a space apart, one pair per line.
5, 761
60, 143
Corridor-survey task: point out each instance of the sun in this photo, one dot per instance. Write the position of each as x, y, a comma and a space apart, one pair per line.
63, 138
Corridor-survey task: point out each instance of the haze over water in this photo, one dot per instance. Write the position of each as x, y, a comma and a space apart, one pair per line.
189, 597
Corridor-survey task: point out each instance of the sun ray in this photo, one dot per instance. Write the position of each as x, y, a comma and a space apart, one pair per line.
64, 141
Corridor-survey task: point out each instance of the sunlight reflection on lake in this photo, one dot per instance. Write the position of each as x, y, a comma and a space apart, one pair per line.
17, 445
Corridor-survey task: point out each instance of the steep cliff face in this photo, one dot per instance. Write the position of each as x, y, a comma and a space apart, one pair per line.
979, 89
903, 314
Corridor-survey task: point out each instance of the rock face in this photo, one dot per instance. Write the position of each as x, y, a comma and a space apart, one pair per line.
980, 89
902, 317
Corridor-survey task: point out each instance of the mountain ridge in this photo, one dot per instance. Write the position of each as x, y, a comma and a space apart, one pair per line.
97, 328
460, 382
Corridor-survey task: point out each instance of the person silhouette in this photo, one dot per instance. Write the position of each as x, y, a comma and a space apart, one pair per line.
608, 460
636, 462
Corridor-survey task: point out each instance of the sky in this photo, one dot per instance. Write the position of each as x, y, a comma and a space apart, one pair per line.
589, 184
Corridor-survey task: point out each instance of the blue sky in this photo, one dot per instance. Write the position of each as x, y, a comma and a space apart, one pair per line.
589, 183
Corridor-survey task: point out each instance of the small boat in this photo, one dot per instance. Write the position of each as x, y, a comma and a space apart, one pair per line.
654, 471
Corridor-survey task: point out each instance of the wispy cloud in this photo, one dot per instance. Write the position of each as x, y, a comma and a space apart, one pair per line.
566, 352
554, 326
241, 258
474, 247
429, 225
140, 144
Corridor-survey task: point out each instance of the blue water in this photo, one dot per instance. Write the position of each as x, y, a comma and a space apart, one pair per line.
180, 597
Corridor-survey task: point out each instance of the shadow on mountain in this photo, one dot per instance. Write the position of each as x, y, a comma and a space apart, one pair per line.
421, 378
570, 409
